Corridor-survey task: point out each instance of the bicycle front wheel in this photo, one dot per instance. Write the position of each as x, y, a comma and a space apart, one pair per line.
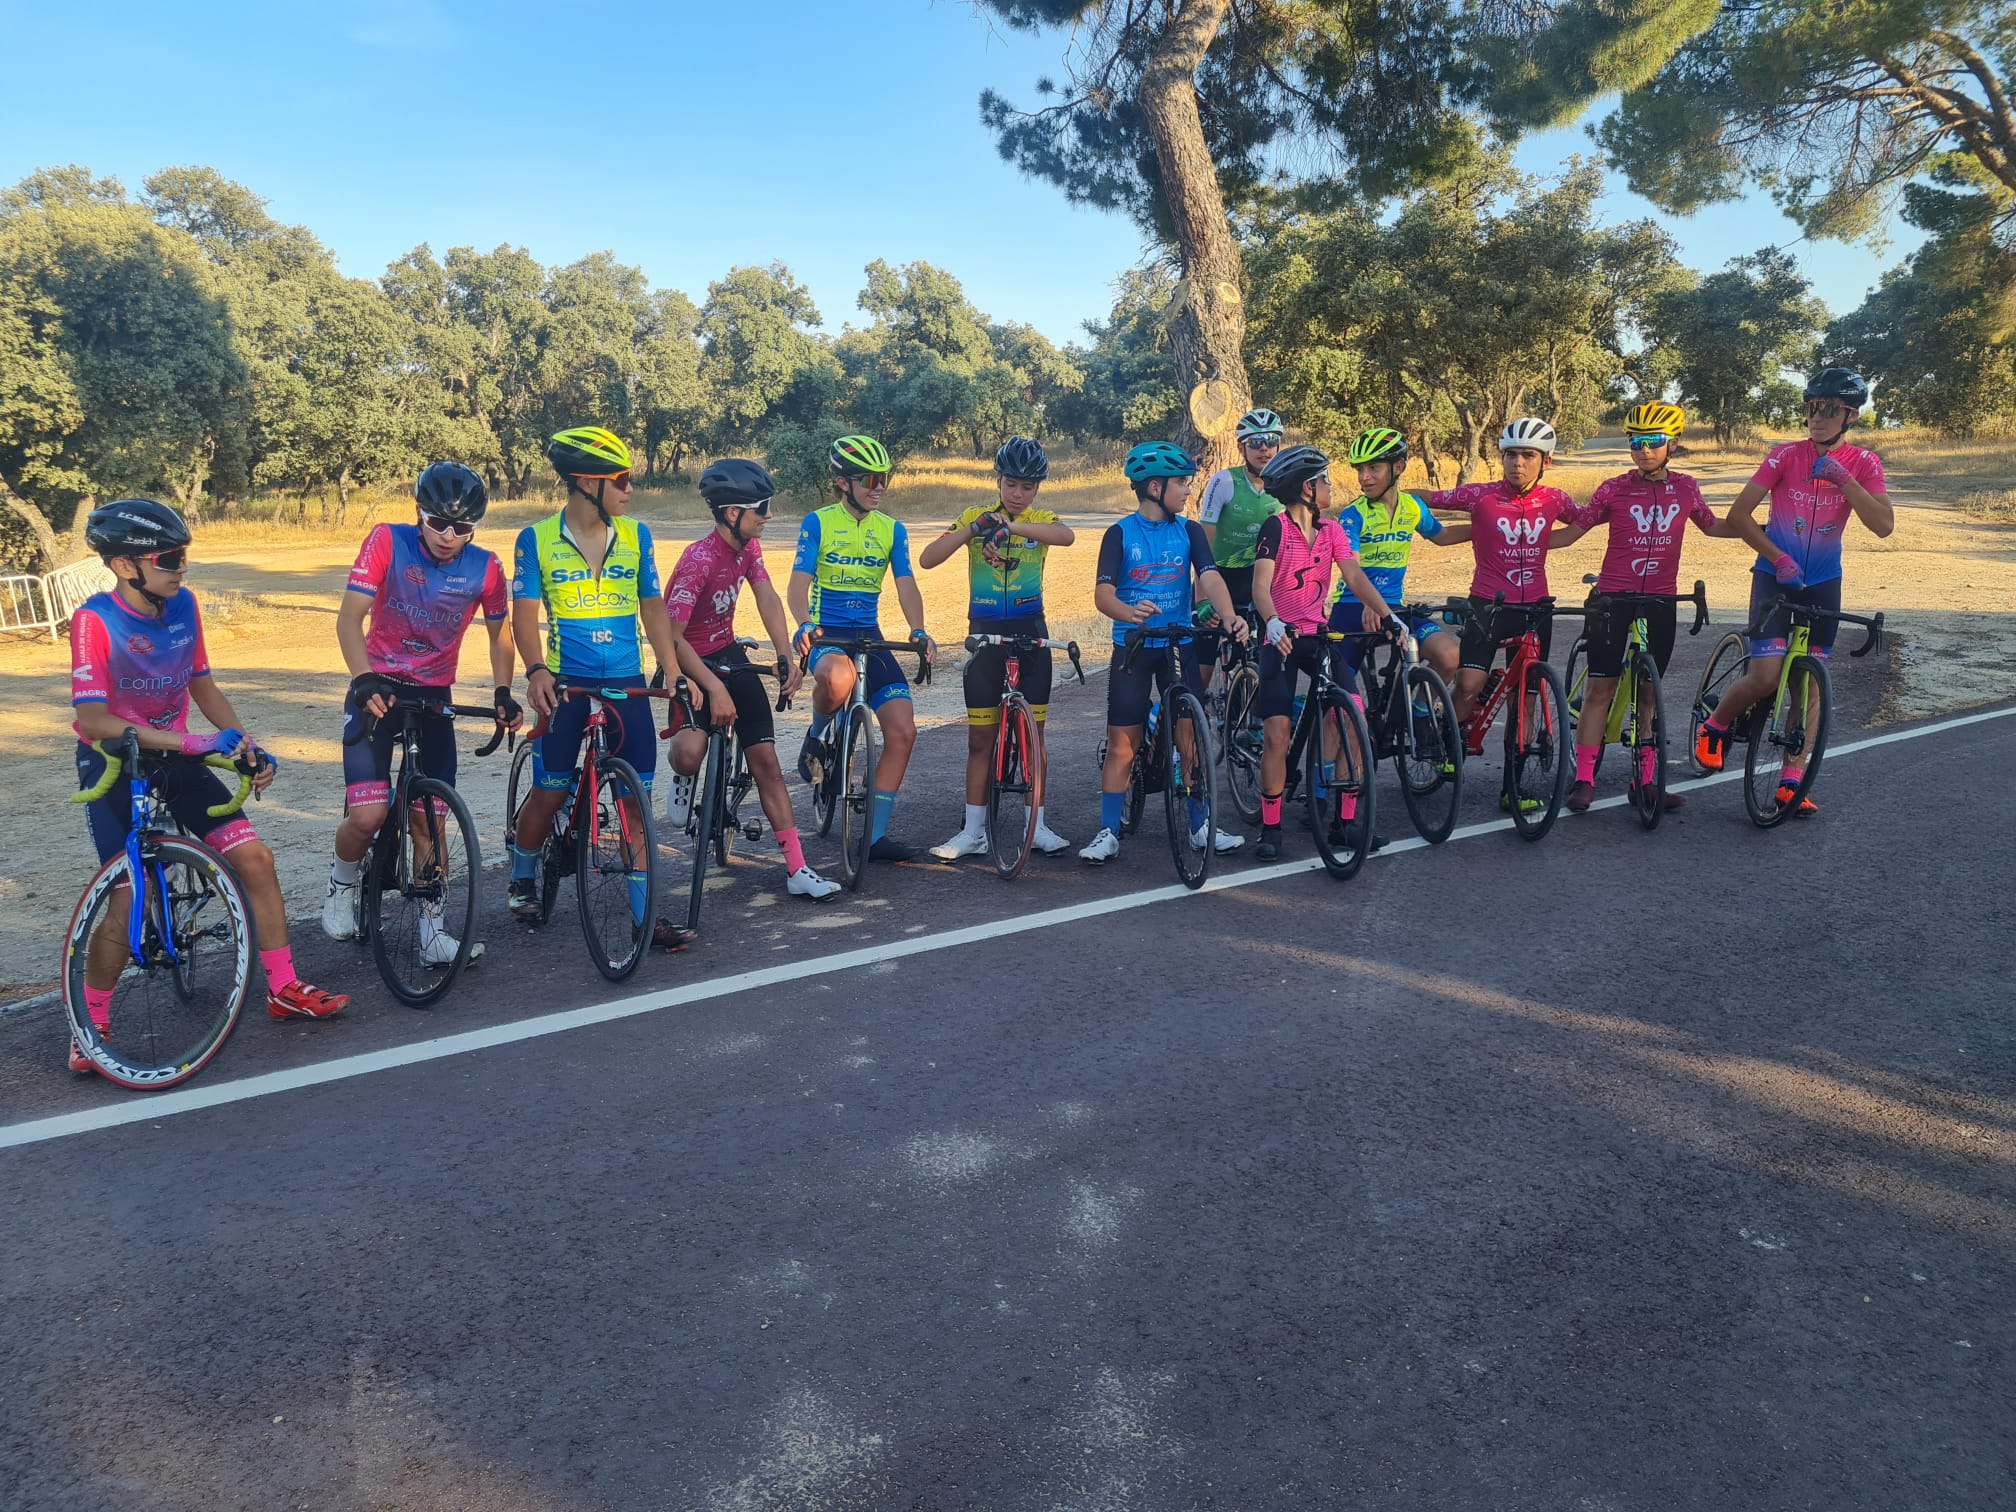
682, 849
857, 800
419, 901
1536, 751
1726, 663
175, 1005
1647, 741
1014, 788
1798, 718
615, 868
1340, 792
1187, 792
1431, 772
1241, 740
734, 782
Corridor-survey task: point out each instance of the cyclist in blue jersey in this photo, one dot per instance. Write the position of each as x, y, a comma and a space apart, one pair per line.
844, 552
1146, 563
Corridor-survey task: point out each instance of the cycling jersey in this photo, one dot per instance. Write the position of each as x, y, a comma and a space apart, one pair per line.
139, 667
704, 587
1006, 584
1152, 564
1508, 535
1647, 521
1302, 568
1237, 509
1384, 541
1808, 514
847, 558
591, 608
422, 606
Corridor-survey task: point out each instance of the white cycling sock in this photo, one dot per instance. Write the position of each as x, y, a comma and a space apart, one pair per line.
345, 873
976, 818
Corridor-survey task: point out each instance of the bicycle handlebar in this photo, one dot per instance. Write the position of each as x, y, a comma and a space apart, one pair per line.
127, 751
1698, 598
1132, 642
1873, 624
1030, 643
585, 690
855, 645
368, 725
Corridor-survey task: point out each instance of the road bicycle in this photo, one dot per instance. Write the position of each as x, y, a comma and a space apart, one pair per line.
1160, 764
1017, 765
421, 877
1333, 772
1412, 717
1637, 719
1233, 705
187, 952
1537, 732
603, 834
846, 787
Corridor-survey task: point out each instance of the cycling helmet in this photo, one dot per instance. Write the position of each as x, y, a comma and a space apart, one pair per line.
1023, 459
856, 456
1379, 444
1159, 459
588, 451
1841, 383
450, 491
134, 527
1528, 434
736, 483
1655, 418
1256, 423
1284, 476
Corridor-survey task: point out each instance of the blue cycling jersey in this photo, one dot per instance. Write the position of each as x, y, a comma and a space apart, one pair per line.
1152, 563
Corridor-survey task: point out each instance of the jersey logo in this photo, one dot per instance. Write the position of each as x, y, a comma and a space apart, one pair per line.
1520, 576
1521, 532
139, 645
416, 575
724, 600
1645, 566
1654, 519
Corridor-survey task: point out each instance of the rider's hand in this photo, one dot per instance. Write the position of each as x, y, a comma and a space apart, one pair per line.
1242, 630
372, 690
926, 646
790, 677
1278, 635
544, 697
1829, 469
802, 641
1139, 613
223, 743
265, 766
1787, 571
1395, 627
1368, 620
509, 713
720, 703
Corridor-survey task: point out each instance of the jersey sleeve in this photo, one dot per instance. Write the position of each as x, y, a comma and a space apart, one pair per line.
1427, 526
968, 516
525, 565
1597, 510
1217, 493
1342, 547
90, 657
806, 558
1201, 559
1269, 544
1463, 498
1699, 510
496, 600
899, 552
647, 565
1771, 469
1112, 556
688, 576
374, 559
1869, 472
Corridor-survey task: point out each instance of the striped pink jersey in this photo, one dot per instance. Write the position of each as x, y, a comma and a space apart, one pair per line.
1301, 568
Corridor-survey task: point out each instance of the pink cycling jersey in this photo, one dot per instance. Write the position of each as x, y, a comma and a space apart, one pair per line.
420, 606
1648, 520
704, 585
1808, 514
1301, 568
1508, 535
138, 666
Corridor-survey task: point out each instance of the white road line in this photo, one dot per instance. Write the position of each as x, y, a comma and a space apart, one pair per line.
150, 1109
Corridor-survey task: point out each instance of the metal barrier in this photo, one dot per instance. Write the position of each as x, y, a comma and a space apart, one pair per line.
68, 587
28, 604
24, 605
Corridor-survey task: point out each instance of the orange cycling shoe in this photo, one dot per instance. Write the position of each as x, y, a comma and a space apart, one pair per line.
1807, 807
299, 1000
1709, 744
79, 1061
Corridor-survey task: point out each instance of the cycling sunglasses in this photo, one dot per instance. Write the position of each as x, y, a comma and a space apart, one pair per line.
870, 479
1824, 409
1270, 440
620, 479
760, 509
439, 526
1647, 443
172, 560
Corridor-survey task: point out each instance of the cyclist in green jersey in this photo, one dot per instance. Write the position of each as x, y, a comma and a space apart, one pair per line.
1235, 506
1005, 545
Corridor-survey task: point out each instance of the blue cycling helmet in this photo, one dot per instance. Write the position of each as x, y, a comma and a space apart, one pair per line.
1159, 459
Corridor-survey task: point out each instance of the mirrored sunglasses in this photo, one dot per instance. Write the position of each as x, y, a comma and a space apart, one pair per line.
439, 526
172, 560
1646, 443
1271, 440
1824, 409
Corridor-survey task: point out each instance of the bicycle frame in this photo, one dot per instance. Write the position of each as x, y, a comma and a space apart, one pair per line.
1637, 642
1523, 652
1799, 642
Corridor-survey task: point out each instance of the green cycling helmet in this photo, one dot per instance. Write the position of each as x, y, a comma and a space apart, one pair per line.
854, 456
1380, 444
1159, 459
588, 451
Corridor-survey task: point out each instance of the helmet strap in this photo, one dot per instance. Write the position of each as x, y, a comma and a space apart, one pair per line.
138, 583
1836, 438
855, 506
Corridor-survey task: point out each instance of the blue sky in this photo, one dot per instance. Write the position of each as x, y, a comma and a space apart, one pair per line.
685, 138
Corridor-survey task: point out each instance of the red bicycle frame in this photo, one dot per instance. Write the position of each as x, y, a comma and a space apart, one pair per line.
1524, 651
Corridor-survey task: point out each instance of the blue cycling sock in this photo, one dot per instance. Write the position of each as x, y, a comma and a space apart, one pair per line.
1110, 807
820, 722
1197, 814
639, 895
885, 805
524, 864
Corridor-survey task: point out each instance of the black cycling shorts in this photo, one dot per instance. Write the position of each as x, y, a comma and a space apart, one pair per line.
1484, 632
1278, 673
1239, 583
1771, 641
987, 671
1610, 631
755, 722
1129, 693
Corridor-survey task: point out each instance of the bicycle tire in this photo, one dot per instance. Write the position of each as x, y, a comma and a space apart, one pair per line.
1187, 782
515, 788
1648, 798
1327, 782
1241, 739
1726, 663
396, 944
1431, 774
615, 779
724, 819
1536, 766
698, 835
857, 804
1765, 757
1014, 777
826, 791
1576, 678
141, 1052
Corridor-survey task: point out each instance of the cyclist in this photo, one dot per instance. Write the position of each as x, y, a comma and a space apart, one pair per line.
1291, 577
701, 605
137, 661
1382, 523
1005, 542
844, 551
592, 569
1235, 505
420, 585
1648, 509
1814, 486
1146, 563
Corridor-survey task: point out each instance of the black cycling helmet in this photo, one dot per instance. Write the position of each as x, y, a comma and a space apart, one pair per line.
134, 527
1285, 475
1845, 384
450, 491
736, 483
1023, 459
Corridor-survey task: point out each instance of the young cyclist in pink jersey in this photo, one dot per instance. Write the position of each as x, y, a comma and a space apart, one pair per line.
701, 603
1291, 583
419, 585
137, 661
1814, 486
1648, 510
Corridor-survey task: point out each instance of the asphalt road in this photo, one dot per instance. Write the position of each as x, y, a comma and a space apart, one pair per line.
1616, 1172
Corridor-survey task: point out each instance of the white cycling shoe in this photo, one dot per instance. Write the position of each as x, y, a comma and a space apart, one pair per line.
1221, 843
965, 843
1104, 847
806, 883
440, 951
1049, 842
339, 912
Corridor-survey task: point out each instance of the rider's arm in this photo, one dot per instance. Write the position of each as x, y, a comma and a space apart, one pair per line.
803, 564
1106, 592
350, 617
1043, 532
1217, 492
503, 665
695, 668
770, 609
907, 593
91, 688
1361, 587
942, 547
1742, 520
1212, 584
1263, 586
1705, 519
1872, 506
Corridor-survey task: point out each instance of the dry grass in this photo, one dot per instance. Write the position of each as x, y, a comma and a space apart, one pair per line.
1992, 506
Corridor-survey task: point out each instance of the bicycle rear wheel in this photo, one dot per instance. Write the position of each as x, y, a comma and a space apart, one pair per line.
419, 888
1014, 788
1431, 774
1728, 661
1241, 740
1536, 750
1647, 733
173, 1009
1808, 702
1333, 785
615, 866
1187, 791
857, 802
1576, 678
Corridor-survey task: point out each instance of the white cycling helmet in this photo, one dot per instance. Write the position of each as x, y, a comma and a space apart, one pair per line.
1528, 434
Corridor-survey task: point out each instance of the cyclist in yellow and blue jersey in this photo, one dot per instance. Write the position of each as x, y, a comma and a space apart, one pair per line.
844, 552
591, 569
1005, 542
1382, 523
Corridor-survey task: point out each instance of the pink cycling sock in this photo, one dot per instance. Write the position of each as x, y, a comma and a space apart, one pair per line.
1585, 763
98, 1003
279, 966
1789, 776
1648, 766
1270, 808
1347, 805
794, 853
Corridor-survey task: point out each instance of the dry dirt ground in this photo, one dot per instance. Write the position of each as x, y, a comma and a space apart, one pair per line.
1948, 585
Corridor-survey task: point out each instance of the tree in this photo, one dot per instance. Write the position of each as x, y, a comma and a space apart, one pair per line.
755, 338
673, 408
1126, 393
1736, 334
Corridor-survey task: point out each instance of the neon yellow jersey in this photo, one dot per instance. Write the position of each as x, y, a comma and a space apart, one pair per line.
1008, 584
847, 559
591, 608
1384, 541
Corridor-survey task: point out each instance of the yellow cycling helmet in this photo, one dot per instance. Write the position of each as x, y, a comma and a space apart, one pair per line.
588, 451
1655, 418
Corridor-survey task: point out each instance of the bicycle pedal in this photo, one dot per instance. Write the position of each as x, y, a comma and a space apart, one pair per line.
752, 831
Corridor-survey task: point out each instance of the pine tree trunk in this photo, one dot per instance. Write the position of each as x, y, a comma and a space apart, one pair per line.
38, 523
1208, 336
